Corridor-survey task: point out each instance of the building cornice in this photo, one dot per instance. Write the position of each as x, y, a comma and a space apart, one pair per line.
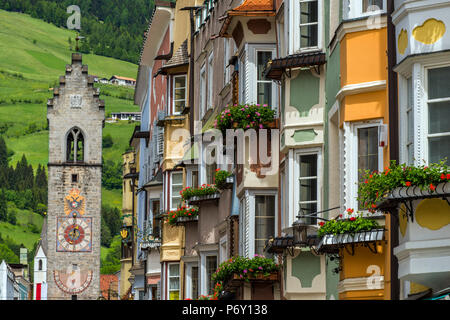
362, 87
361, 284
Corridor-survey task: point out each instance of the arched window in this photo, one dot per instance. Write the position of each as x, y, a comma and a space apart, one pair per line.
40, 265
75, 146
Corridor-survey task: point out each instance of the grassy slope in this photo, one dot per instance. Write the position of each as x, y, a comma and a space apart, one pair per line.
38, 52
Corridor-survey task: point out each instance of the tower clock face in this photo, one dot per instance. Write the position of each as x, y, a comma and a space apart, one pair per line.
74, 234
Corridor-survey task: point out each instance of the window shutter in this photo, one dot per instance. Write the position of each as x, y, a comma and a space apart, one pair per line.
160, 142
158, 290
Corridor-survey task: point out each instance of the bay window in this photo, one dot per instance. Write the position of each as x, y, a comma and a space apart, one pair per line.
202, 91
264, 221
362, 142
178, 94
176, 186
257, 221
361, 8
173, 277
253, 86
309, 23
438, 114
303, 20
210, 81
308, 186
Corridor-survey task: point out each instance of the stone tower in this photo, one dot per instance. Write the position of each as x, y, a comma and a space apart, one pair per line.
76, 119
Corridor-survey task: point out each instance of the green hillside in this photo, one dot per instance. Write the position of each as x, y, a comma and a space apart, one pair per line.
33, 55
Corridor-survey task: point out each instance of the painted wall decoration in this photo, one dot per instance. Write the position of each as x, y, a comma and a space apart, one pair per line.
74, 234
402, 41
73, 280
433, 214
429, 32
74, 203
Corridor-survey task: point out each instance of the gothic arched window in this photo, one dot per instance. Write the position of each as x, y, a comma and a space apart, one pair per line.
75, 146
40, 265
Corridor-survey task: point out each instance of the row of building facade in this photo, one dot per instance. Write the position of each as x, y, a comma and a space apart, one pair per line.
354, 85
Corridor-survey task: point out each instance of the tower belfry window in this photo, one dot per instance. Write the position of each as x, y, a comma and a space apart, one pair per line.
75, 146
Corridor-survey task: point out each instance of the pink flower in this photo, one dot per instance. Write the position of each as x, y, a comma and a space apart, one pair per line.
245, 270
260, 126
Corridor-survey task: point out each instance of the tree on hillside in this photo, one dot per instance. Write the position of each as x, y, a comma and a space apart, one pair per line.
3, 206
7, 254
3, 154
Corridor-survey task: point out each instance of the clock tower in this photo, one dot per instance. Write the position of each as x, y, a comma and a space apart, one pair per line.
75, 119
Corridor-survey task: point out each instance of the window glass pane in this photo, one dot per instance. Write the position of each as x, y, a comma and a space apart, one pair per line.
439, 117
194, 181
439, 83
180, 82
367, 150
439, 148
265, 93
308, 209
177, 178
263, 58
174, 270
308, 189
264, 221
308, 36
194, 282
308, 11
211, 266
308, 165
372, 5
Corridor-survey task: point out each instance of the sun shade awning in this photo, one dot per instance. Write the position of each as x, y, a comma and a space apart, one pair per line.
276, 67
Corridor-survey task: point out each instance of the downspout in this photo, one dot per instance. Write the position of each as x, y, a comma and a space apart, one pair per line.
191, 74
393, 143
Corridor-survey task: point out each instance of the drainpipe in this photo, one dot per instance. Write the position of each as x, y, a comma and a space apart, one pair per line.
393, 142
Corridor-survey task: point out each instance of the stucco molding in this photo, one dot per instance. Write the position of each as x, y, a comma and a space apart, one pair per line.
411, 6
361, 284
362, 87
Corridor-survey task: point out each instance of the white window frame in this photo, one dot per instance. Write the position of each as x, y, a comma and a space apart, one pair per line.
204, 272
226, 68
293, 27
203, 93
223, 249
173, 92
188, 279
189, 171
171, 188
252, 65
252, 214
419, 74
296, 171
168, 279
352, 173
209, 93
355, 9
426, 102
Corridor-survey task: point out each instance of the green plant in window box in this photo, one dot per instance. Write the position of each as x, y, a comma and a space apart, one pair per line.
248, 116
354, 224
188, 212
221, 178
377, 185
205, 189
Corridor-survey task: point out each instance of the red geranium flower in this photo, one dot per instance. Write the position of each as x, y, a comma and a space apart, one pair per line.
442, 176
432, 187
352, 219
408, 183
321, 223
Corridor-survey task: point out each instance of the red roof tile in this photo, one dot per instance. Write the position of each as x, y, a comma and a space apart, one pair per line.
108, 281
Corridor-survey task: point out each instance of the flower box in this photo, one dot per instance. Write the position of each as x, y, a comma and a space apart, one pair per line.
207, 197
236, 281
186, 219
331, 242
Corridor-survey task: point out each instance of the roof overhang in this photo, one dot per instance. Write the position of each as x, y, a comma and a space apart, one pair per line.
160, 21
277, 67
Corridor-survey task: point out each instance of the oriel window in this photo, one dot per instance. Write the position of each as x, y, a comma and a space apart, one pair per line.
75, 146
